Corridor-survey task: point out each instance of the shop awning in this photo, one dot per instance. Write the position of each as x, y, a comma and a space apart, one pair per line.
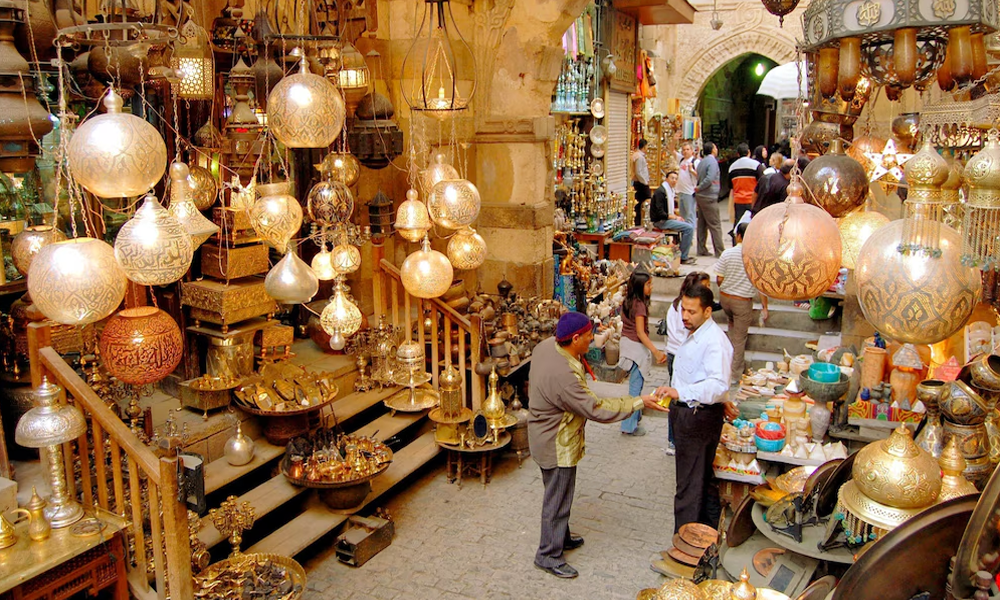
657, 12
783, 82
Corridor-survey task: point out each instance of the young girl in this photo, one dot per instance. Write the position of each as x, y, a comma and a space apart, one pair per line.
637, 350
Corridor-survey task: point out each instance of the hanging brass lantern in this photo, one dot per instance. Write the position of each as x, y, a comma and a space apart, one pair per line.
792, 251
374, 137
835, 181
466, 249
305, 110
152, 247
116, 154
780, 8
204, 187
438, 171
330, 202
322, 265
341, 318
926, 172
454, 203
920, 297
242, 123
855, 229
353, 77
346, 258
981, 224
24, 118
412, 220
183, 209
277, 215
342, 167
141, 345
380, 214
426, 273
438, 74
27, 244
291, 281
193, 63
76, 282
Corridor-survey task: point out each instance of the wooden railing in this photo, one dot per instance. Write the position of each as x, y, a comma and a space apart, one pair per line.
392, 299
122, 462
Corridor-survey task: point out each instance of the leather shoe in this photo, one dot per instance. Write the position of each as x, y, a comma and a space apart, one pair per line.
689, 261
573, 542
563, 571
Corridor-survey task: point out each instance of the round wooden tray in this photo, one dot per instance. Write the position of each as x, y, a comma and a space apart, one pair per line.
295, 571
253, 410
330, 485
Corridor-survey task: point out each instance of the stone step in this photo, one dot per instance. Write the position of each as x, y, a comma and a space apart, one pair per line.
780, 316
766, 339
317, 520
276, 491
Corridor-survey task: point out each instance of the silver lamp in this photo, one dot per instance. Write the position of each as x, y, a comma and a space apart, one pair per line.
48, 425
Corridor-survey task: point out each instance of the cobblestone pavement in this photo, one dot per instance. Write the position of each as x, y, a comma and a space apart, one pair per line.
479, 543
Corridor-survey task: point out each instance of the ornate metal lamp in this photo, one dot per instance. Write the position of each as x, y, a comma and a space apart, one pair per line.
780, 8
438, 72
194, 64
48, 425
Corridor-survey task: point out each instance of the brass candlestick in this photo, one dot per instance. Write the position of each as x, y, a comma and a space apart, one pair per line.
232, 519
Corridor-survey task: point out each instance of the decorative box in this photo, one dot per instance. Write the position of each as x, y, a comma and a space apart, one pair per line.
202, 399
227, 263
231, 219
276, 335
227, 303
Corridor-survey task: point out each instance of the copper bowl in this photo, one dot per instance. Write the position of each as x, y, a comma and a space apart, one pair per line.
962, 405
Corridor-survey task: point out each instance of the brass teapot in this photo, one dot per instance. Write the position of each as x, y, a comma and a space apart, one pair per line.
39, 527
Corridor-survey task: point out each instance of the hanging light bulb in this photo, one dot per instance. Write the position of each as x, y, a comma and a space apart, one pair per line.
204, 187
305, 110
291, 281
342, 167
341, 318
76, 282
439, 71
322, 265
792, 251
426, 273
330, 202
412, 220
183, 208
437, 172
346, 258
454, 203
115, 155
353, 77
152, 247
920, 297
855, 229
276, 216
193, 63
27, 244
467, 249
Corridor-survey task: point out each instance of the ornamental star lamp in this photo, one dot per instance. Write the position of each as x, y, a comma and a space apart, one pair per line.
888, 161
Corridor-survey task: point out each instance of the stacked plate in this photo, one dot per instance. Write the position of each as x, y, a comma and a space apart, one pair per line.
689, 544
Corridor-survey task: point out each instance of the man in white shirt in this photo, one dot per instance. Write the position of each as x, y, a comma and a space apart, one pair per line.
700, 404
663, 214
736, 293
686, 181
640, 179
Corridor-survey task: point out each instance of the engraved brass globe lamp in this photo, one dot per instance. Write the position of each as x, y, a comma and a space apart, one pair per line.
466, 249
438, 171
27, 244
341, 318
792, 251
152, 247
454, 203
291, 281
116, 154
835, 182
305, 110
322, 265
77, 281
412, 220
342, 167
141, 345
277, 215
855, 229
426, 273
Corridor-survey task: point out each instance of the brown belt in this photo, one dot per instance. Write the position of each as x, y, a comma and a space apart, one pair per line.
734, 297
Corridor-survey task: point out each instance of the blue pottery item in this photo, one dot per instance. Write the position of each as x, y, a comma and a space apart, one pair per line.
824, 372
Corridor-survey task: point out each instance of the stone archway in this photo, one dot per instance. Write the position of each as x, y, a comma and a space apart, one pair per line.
725, 48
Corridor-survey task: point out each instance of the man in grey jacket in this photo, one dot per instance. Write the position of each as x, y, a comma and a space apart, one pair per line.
706, 194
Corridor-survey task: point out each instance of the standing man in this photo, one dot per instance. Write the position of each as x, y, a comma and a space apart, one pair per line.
700, 404
559, 405
743, 174
687, 180
663, 214
706, 195
640, 182
737, 294
773, 189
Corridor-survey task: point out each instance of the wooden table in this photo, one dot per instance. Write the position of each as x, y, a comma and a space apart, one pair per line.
600, 238
65, 564
459, 466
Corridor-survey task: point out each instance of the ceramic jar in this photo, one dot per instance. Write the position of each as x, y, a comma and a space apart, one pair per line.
819, 419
